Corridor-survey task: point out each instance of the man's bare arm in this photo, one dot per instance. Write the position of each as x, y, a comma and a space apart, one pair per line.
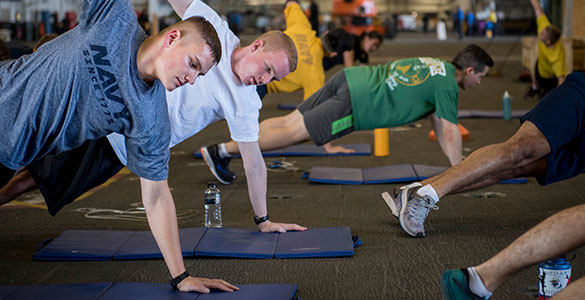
537, 8
162, 218
180, 6
255, 169
449, 138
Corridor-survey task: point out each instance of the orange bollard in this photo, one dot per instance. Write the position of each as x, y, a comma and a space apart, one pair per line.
381, 142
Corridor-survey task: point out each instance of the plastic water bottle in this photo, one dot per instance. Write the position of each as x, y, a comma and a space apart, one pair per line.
507, 108
212, 206
553, 276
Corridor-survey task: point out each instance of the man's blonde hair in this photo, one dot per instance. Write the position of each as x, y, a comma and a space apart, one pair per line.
205, 29
275, 41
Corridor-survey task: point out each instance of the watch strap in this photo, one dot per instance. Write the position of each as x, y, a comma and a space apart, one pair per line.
175, 281
259, 221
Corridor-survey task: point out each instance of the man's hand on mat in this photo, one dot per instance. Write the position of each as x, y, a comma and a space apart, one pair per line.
202, 285
337, 149
279, 227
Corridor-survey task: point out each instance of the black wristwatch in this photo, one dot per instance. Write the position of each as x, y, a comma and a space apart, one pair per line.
259, 221
175, 281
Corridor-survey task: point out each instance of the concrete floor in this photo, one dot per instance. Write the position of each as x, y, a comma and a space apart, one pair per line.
390, 265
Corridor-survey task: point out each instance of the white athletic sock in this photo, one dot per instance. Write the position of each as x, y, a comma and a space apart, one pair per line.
223, 151
476, 285
428, 190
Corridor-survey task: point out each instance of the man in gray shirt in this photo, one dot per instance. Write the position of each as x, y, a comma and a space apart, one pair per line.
96, 80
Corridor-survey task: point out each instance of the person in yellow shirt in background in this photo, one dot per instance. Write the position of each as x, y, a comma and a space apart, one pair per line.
551, 68
310, 75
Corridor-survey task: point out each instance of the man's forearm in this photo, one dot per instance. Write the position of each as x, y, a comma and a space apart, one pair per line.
162, 219
452, 150
537, 8
449, 139
255, 169
256, 178
451, 144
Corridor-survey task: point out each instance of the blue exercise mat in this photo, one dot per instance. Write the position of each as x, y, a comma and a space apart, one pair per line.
142, 245
84, 245
143, 291
74, 245
336, 175
423, 171
311, 150
255, 292
59, 291
389, 174
490, 114
377, 175
317, 242
288, 106
6, 290
237, 242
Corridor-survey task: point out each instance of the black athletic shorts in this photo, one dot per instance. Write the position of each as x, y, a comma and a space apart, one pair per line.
65, 176
328, 113
5, 175
560, 116
545, 84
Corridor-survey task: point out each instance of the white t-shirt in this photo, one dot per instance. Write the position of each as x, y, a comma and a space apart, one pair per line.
216, 96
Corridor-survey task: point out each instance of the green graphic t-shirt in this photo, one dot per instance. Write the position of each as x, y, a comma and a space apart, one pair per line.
402, 92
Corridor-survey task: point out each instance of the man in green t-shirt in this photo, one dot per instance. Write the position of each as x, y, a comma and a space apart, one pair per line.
392, 94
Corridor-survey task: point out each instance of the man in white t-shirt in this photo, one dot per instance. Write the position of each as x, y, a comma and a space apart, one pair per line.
227, 91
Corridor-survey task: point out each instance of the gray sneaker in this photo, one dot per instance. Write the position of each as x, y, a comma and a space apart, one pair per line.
415, 209
393, 199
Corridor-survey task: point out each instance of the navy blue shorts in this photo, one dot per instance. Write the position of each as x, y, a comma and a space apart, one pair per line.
560, 116
65, 176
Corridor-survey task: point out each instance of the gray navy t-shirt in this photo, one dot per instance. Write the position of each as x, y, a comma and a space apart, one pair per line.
81, 86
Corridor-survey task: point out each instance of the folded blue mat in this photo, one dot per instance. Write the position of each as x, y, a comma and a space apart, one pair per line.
237, 242
84, 245
255, 292
7, 290
144, 291
311, 150
288, 106
423, 171
490, 114
336, 175
74, 245
389, 174
377, 175
58, 291
317, 242
142, 244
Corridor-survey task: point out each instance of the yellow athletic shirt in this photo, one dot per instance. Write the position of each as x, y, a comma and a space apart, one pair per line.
309, 74
551, 61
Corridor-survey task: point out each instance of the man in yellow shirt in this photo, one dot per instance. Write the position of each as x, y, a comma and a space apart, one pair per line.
551, 68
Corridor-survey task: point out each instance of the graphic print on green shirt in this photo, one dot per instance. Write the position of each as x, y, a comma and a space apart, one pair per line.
402, 92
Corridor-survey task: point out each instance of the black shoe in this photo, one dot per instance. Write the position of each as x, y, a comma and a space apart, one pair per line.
531, 93
218, 166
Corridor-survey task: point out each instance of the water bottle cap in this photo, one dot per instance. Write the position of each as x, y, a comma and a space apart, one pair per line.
211, 185
506, 94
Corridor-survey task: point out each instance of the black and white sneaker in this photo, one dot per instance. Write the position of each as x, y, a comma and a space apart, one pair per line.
218, 166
